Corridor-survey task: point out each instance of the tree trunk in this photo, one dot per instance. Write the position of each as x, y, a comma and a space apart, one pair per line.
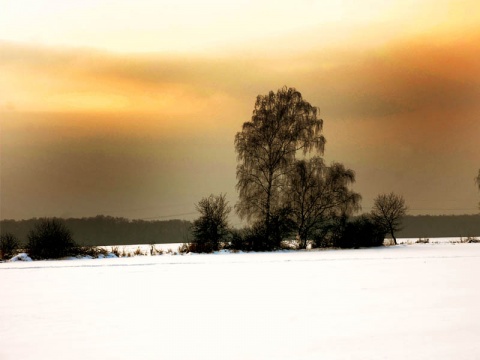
303, 239
302, 234
268, 231
393, 237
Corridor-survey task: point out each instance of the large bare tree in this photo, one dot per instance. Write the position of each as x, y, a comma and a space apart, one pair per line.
282, 125
318, 194
388, 210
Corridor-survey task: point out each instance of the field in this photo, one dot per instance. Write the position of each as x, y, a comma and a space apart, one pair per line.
419, 301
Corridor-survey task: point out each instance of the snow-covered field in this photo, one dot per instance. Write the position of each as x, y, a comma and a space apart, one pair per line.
418, 301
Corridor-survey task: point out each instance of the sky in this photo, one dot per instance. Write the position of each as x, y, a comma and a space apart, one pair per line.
130, 108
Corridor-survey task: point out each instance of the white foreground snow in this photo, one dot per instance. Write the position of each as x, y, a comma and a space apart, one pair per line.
403, 302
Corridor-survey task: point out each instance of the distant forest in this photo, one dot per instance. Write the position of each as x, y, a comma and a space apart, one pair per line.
440, 226
107, 230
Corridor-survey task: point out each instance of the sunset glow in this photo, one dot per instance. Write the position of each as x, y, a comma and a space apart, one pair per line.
130, 108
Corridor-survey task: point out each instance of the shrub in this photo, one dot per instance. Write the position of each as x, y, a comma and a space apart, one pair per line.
211, 228
257, 238
50, 239
252, 238
92, 251
469, 240
330, 232
238, 240
183, 249
116, 251
154, 251
194, 247
8, 245
361, 232
473, 240
138, 252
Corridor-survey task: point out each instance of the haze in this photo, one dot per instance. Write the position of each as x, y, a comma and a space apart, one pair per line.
130, 108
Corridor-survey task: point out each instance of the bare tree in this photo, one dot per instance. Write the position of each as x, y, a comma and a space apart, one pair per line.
50, 239
282, 124
211, 227
8, 245
319, 193
388, 210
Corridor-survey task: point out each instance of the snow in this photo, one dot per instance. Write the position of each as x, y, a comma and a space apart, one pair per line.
21, 257
417, 301
107, 256
444, 240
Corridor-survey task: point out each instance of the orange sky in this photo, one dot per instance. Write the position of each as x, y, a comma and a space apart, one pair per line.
130, 108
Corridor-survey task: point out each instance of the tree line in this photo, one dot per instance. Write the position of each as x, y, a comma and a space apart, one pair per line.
286, 192
440, 226
54, 237
108, 230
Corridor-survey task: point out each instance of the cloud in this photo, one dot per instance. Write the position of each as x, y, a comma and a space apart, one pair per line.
142, 129
416, 78
377, 81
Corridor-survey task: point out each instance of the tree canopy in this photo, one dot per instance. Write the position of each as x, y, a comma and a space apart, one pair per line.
319, 193
282, 125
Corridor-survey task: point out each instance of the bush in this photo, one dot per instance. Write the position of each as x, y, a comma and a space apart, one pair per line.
252, 238
8, 245
330, 232
116, 251
50, 239
473, 240
255, 238
93, 251
211, 228
195, 247
138, 252
237, 240
184, 248
154, 251
361, 232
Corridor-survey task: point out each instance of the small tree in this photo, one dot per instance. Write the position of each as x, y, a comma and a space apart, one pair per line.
211, 228
388, 210
50, 239
8, 245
